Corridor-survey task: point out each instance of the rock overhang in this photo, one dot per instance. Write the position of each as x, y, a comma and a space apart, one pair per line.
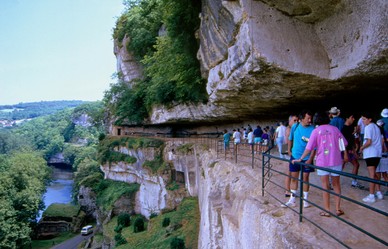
269, 58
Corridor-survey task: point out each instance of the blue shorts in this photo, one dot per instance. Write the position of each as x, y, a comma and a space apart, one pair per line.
257, 140
296, 167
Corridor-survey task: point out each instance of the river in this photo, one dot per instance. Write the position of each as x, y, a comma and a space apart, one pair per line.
60, 189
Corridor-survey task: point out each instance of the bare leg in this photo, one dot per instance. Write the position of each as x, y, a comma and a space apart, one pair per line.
385, 176
325, 195
377, 177
356, 166
372, 174
294, 182
337, 190
306, 178
287, 182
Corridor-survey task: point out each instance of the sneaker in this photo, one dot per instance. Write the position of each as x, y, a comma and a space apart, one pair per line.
306, 204
369, 198
379, 195
289, 204
357, 185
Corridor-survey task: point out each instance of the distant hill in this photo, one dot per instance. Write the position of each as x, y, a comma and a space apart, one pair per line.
35, 109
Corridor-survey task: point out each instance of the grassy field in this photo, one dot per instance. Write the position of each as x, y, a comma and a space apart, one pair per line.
46, 244
184, 224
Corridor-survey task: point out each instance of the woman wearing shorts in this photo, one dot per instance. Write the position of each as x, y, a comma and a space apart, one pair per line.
325, 140
372, 149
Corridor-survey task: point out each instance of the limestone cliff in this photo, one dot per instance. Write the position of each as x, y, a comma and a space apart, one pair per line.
233, 212
269, 57
154, 194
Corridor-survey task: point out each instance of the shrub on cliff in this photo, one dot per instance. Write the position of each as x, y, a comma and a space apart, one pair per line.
124, 219
177, 243
120, 240
138, 226
107, 148
110, 191
166, 222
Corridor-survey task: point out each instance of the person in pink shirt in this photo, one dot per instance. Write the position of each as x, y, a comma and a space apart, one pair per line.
326, 140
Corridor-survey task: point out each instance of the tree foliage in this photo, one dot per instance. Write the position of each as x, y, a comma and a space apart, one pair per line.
23, 177
138, 225
51, 134
141, 23
24, 172
177, 243
10, 142
127, 104
124, 219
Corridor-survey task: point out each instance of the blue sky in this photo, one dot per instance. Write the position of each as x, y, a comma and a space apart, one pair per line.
56, 49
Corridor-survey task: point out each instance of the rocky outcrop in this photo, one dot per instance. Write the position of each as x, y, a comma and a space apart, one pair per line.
87, 200
83, 120
58, 158
127, 66
235, 215
271, 57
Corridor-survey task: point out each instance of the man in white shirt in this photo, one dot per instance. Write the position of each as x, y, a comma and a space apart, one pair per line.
280, 133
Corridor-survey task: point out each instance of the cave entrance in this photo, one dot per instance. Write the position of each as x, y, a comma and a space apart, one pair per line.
178, 176
61, 171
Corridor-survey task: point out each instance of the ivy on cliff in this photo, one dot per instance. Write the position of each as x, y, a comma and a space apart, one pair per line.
107, 148
171, 69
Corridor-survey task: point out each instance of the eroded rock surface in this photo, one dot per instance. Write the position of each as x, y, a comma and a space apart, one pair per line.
271, 57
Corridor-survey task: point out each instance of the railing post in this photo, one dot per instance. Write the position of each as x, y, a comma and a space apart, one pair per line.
300, 193
235, 152
226, 148
217, 147
262, 178
253, 155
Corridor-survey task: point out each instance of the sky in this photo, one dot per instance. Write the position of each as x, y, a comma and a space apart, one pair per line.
56, 49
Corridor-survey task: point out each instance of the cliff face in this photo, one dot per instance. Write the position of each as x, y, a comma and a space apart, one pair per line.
270, 57
233, 212
154, 194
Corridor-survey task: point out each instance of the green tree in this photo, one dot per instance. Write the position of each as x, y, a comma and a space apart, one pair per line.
127, 104
141, 23
9, 142
23, 179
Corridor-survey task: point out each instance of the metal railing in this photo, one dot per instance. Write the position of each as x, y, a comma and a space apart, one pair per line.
257, 158
268, 171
